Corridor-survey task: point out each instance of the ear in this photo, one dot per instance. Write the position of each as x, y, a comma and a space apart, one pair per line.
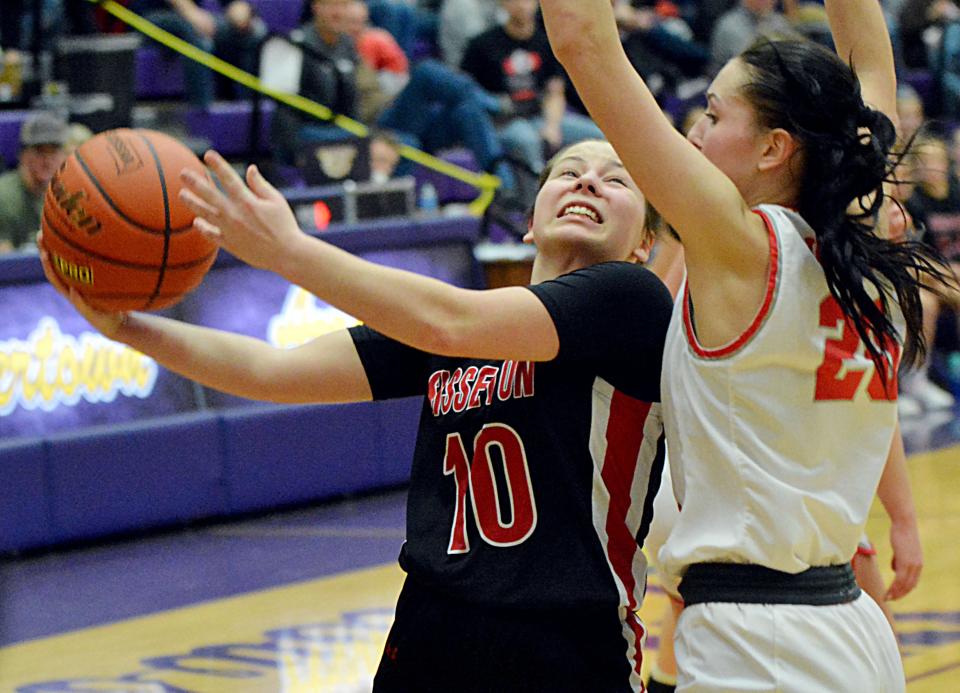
641, 253
778, 148
528, 236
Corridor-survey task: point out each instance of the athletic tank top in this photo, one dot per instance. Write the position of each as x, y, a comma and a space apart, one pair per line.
778, 439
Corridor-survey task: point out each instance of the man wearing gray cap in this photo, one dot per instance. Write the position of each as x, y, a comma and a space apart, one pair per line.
43, 137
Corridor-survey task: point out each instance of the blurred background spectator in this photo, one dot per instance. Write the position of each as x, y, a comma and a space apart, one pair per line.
514, 62
934, 205
460, 21
740, 26
43, 142
234, 35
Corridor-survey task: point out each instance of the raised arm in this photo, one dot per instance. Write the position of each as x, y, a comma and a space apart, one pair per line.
693, 195
325, 370
861, 36
425, 313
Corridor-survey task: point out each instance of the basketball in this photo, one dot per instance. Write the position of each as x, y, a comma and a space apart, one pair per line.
115, 228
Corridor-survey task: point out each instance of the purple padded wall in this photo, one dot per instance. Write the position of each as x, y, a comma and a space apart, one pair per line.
159, 73
25, 509
290, 455
10, 123
137, 476
226, 124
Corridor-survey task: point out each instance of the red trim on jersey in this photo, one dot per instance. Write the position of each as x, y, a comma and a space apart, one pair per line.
772, 276
624, 439
866, 549
638, 632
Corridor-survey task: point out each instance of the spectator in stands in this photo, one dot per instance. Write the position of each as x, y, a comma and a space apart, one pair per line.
515, 60
328, 77
406, 21
703, 16
437, 107
235, 36
921, 26
659, 44
384, 155
57, 17
910, 111
461, 21
737, 28
935, 206
43, 139
809, 19
237, 39
377, 47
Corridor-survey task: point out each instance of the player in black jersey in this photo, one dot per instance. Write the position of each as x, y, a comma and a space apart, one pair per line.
540, 444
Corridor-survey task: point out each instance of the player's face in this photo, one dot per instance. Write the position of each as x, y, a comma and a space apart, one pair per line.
933, 164
589, 205
727, 132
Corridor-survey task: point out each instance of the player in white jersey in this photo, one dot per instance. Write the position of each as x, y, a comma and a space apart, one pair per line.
780, 368
895, 496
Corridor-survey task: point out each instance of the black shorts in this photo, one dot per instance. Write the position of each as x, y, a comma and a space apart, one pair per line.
443, 645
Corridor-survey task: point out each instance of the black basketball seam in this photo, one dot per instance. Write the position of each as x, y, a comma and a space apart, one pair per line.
120, 213
166, 218
52, 225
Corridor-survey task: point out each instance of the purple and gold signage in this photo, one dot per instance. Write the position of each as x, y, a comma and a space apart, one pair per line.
58, 374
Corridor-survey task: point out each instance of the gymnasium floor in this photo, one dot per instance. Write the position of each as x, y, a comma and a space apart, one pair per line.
301, 601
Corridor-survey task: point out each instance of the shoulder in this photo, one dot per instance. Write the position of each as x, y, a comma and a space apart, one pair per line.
617, 286
614, 273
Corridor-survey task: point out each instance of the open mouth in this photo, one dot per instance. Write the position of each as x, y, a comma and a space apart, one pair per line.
579, 209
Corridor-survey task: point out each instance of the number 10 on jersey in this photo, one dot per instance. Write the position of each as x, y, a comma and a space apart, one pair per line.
477, 476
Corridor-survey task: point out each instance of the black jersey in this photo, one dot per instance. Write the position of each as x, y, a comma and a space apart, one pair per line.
532, 483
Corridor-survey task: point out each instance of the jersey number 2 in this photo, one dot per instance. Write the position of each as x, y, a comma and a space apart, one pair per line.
478, 477
831, 385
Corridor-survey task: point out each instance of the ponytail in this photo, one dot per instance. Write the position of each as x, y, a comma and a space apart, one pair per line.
847, 146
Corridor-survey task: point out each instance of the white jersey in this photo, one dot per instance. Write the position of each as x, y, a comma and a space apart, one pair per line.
778, 439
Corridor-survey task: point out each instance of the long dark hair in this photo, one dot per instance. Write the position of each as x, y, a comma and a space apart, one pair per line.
847, 146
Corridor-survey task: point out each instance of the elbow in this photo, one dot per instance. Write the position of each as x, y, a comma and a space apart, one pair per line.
446, 339
571, 35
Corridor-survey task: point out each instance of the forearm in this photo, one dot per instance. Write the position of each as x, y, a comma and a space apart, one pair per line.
860, 34
894, 488
217, 359
419, 311
580, 29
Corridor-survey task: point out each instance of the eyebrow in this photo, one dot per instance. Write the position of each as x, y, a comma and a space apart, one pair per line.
610, 163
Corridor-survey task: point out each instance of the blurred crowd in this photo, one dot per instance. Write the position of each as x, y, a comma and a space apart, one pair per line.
479, 75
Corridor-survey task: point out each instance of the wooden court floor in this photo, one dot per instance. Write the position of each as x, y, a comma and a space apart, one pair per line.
324, 633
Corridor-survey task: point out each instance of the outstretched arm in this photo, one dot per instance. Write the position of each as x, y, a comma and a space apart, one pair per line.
256, 224
325, 370
897, 499
861, 36
695, 197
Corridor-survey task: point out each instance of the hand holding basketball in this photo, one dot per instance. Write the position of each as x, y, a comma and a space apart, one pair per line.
252, 221
108, 324
114, 228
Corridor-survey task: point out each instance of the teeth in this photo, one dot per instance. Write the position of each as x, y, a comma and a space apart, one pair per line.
582, 211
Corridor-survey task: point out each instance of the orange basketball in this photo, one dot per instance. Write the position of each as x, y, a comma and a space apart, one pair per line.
115, 228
